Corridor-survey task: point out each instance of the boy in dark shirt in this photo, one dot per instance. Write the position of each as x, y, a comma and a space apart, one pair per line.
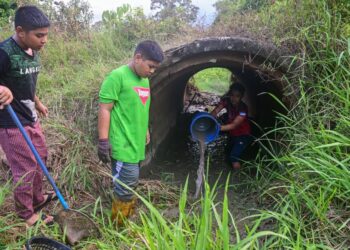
19, 68
237, 124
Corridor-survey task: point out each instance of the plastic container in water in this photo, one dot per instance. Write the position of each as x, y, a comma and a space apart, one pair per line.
204, 127
43, 243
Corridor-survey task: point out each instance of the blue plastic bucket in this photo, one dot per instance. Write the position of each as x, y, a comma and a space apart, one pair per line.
204, 127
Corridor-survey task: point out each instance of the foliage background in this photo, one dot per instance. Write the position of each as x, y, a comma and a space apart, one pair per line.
303, 184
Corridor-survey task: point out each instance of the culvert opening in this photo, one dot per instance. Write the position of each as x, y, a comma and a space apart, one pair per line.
257, 68
262, 96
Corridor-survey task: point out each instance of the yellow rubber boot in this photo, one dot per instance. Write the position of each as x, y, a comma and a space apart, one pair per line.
122, 210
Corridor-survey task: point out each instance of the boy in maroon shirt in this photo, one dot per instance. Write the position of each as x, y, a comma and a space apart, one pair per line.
237, 124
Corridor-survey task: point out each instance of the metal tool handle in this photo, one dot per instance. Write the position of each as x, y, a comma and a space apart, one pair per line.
37, 157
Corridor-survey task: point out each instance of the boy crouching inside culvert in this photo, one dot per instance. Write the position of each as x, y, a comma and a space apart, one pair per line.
19, 68
237, 124
123, 123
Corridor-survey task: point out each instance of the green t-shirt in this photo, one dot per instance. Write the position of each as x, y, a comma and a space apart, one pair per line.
129, 116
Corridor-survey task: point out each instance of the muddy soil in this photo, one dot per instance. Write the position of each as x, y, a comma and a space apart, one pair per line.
181, 161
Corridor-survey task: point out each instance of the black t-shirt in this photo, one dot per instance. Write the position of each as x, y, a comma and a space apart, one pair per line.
18, 72
4, 62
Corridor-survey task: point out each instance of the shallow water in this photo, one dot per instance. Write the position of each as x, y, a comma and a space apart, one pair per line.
181, 158
200, 171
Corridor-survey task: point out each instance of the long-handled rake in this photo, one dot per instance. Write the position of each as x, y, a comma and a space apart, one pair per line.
75, 224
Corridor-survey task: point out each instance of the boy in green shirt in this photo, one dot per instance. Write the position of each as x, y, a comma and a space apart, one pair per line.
123, 122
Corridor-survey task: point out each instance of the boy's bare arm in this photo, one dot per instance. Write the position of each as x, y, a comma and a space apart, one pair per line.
104, 118
217, 110
5, 96
41, 107
233, 125
148, 137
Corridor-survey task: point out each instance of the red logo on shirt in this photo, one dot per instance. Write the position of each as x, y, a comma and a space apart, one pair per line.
143, 94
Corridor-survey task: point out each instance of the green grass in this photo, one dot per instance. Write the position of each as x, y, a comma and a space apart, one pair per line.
206, 224
213, 80
303, 181
310, 188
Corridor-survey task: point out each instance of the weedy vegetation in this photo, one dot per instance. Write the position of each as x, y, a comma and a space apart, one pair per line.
303, 187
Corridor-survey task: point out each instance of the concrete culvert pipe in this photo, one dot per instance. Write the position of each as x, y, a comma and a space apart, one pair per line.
259, 67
